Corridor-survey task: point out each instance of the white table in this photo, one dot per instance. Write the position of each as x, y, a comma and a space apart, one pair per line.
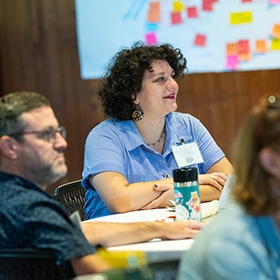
157, 249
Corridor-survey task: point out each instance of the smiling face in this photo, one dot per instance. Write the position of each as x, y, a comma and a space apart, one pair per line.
159, 90
38, 160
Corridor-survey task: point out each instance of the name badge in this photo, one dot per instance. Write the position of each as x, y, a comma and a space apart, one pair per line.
187, 154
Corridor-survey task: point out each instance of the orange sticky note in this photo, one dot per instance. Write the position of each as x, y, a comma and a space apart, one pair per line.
200, 40
178, 6
176, 18
231, 48
192, 12
151, 38
260, 46
244, 56
154, 12
275, 32
245, 1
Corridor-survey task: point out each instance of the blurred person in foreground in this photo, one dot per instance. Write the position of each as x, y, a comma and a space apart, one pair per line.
244, 241
31, 158
129, 158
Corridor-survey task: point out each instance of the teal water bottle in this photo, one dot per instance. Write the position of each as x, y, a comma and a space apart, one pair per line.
186, 193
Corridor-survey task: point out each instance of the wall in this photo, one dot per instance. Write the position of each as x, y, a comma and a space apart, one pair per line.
38, 52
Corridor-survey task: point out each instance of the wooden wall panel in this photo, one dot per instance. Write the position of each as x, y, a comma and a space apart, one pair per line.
38, 52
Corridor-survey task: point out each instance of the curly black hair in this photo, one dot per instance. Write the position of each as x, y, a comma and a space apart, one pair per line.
125, 73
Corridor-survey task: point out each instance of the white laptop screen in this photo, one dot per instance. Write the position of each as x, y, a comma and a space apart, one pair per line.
225, 195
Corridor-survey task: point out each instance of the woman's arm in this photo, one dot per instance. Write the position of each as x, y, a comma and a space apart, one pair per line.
120, 196
210, 184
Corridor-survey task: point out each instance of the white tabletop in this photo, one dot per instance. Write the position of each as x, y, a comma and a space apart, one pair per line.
207, 209
157, 249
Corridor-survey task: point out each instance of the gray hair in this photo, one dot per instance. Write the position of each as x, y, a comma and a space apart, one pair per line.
13, 105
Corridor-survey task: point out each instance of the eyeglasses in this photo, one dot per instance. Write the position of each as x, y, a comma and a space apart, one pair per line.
47, 134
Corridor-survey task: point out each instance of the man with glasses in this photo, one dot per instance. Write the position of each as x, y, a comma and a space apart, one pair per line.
31, 158
31, 147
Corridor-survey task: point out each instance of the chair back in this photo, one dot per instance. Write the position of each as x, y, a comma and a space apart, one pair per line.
32, 264
72, 196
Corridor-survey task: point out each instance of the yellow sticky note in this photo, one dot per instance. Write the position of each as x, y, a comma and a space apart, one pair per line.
178, 6
240, 17
123, 259
275, 44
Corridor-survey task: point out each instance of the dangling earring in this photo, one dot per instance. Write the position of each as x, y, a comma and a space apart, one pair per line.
138, 114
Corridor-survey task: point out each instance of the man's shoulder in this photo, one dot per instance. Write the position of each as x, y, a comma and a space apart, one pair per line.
10, 183
17, 192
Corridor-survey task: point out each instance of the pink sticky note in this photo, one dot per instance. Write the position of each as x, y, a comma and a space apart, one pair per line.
207, 5
243, 46
176, 18
274, 1
151, 38
200, 40
192, 12
232, 62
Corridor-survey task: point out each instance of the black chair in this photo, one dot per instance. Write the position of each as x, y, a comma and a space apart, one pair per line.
72, 196
32, 264
164, 270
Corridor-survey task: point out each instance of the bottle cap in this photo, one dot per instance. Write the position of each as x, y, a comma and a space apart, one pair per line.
181, 175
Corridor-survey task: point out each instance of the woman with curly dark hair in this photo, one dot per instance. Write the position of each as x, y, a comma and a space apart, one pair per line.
129, 157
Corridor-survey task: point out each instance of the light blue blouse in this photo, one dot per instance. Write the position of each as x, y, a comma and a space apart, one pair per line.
234, 246
118, 147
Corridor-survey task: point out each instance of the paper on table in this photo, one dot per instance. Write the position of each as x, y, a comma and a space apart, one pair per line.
209, 208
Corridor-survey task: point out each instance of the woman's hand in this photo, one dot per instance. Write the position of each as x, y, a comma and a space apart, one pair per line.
165, 191
215, 179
